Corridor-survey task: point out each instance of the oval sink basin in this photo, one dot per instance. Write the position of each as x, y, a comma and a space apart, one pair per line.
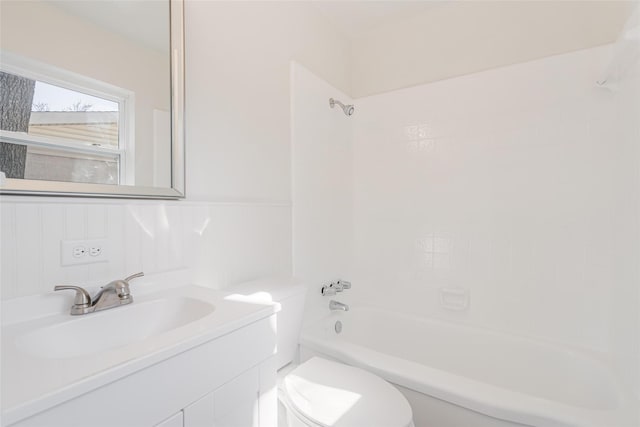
110, 329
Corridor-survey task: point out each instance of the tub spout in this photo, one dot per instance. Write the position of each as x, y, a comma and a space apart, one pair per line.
335, 305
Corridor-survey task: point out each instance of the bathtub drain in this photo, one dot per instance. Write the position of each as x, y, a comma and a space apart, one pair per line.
338, 327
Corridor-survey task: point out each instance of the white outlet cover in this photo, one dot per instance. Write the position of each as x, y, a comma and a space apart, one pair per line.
79, 251
96, 250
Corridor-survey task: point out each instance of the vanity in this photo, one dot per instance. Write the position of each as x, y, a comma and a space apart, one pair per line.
108, 122
180, 356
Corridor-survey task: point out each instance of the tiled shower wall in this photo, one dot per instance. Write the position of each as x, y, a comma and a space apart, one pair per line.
216, 244
508, 200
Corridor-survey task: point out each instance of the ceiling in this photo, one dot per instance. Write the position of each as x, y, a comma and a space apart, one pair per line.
145, 22
395, 44
400, 43
353, 18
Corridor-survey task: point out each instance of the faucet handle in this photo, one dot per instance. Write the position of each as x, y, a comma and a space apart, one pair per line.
82, 299
328, 290
133, 276
343, 284
122, 286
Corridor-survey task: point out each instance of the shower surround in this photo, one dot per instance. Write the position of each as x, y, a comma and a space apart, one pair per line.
512, 192
506, 200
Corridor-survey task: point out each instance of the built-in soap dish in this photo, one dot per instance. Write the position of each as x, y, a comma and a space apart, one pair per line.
455, 299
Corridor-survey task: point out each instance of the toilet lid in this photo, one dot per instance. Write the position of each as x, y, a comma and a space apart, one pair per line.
332, 394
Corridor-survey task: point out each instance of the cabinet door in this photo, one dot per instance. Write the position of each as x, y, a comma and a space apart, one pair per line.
237, 403
201, 412
234, 404
176, 420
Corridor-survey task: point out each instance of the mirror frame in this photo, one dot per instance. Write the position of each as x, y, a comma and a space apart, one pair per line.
30, 187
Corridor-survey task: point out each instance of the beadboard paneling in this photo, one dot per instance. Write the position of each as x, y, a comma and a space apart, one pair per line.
220, 243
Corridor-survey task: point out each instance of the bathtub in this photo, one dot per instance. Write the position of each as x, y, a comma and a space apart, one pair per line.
457, 376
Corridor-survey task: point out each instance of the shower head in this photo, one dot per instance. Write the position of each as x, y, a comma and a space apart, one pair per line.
348, 109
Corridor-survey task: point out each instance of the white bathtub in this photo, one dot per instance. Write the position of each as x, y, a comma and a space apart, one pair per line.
458, 376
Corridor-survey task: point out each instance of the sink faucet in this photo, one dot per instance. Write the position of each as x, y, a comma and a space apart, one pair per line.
114, 294
336, 305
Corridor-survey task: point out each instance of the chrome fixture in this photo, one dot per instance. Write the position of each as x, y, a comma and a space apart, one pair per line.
341, 285
332, 288
348, 109
114, 294
336, 305
328, 290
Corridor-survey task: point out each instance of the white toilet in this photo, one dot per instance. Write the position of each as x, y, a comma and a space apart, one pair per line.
321, 392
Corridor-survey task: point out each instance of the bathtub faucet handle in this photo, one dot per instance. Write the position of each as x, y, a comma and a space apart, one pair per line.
328, 290
343, 284
339, 286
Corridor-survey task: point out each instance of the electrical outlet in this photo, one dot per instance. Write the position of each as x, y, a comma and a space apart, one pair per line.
79, 251
74, 252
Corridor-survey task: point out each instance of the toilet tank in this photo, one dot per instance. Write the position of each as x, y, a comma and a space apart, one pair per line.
288, 294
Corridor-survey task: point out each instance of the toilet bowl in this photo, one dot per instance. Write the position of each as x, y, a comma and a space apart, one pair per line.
320, 392
323, 393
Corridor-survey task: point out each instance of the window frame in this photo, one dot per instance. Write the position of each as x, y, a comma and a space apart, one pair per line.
35, 70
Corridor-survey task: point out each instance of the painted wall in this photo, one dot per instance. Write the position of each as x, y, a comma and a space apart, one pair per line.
515, 188
238, 67
449, 39
322, 171
236, 223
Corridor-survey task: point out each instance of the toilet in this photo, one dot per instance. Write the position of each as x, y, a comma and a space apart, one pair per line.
321, 392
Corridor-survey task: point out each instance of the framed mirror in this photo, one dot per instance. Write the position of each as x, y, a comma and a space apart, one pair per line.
92, 98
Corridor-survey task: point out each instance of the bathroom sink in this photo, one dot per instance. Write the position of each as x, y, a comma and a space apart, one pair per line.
50, 357
99, 332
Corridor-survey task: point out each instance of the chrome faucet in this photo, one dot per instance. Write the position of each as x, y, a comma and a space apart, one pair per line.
332, 288
336, 305
114, 294
341, 285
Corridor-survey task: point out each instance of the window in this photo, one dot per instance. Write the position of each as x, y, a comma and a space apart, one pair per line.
60, 126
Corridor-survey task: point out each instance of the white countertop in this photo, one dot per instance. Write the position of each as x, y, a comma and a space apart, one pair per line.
31, 383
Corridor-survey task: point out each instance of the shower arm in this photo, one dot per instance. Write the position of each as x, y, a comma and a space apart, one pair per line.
333, 102
347, 109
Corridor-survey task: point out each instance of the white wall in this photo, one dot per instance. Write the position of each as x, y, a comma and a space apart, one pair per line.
322, 170
518, 186
238, 92
236, 223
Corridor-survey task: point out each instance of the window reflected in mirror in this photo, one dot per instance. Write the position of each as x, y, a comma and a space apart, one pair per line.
58, 134
85, 92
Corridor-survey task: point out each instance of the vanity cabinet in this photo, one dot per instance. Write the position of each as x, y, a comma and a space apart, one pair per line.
236, 403
228, 381
177, 420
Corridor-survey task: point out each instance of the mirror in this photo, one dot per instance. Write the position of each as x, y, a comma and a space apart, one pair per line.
91, 98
